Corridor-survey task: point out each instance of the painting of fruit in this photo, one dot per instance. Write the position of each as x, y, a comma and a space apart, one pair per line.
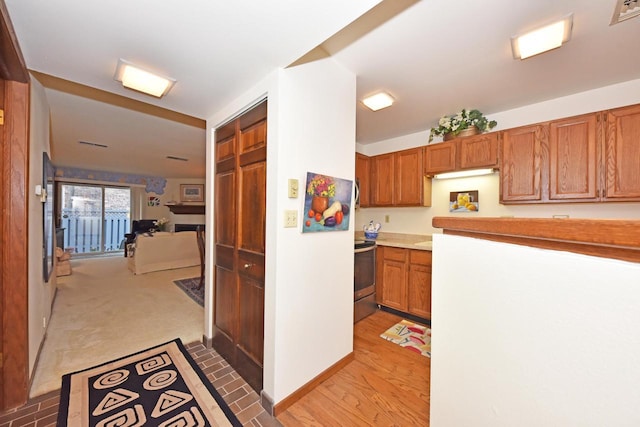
464, 201
327, 203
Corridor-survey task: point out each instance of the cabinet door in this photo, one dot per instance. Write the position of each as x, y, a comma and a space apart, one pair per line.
363, 176
440, 158
408, 179
622, 150
573, 171
419, 284
521, 164
479, 151
383, 176
394, 290
419, 298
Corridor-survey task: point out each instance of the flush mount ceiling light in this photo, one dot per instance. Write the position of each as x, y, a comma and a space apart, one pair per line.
378, 101
464, 174
136, 78
542, 39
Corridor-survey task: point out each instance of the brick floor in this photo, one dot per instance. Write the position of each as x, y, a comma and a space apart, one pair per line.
42, 411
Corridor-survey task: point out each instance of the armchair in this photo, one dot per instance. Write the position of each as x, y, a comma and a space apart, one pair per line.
137, 226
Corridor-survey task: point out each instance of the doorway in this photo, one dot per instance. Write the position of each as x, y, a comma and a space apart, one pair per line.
93, 219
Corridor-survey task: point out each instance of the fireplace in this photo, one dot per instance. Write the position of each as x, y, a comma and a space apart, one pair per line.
186, 227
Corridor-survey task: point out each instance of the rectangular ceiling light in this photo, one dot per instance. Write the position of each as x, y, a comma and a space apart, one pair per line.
542, 39
378, 101
136, 78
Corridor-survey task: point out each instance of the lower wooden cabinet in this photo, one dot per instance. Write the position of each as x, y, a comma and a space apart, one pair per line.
403, 280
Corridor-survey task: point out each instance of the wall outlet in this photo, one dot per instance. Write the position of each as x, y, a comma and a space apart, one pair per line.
44, 323
290, 219
387, 218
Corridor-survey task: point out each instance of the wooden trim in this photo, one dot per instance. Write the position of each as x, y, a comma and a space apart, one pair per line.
78, 89
607, 238
15, 235
12, 65
302, 391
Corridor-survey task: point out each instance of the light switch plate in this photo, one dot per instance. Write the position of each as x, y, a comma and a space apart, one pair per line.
293, 188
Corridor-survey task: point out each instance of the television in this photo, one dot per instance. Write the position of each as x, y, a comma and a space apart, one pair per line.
48, 225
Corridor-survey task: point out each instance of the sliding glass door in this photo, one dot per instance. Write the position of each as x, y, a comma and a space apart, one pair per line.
94, 218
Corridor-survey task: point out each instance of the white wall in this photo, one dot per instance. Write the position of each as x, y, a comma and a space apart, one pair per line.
40, 293
418, 220
531, 337
308, 283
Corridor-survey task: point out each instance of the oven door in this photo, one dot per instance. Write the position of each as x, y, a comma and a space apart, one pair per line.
364, 272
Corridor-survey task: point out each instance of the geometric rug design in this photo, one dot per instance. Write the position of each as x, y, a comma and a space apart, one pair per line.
190, 287
160, 386
412, 336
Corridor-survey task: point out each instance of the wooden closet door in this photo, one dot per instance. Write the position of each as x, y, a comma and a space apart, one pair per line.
251, 251
240, 213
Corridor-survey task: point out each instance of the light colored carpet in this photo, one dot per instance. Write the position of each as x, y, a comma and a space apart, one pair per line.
103, 311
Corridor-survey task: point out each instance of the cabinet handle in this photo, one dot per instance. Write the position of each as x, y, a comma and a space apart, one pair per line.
248, 265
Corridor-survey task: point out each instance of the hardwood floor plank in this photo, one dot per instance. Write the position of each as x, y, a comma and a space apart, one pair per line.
385, 385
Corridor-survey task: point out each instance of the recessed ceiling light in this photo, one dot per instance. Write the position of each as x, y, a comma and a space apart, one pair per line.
542, 39
144, 81
378, 101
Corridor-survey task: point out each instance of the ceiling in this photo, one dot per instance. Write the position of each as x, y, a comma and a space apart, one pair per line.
433, 56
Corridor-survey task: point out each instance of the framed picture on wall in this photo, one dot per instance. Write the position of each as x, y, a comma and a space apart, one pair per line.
191, 192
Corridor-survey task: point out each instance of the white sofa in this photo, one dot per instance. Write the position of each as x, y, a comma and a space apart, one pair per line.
163, 251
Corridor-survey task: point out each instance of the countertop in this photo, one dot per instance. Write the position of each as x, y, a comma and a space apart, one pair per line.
398, 240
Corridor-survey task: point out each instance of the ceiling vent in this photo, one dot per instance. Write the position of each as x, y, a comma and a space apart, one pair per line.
182, 159
93, 144
625, 9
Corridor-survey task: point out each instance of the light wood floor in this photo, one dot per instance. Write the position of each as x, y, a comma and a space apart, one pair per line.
385, 385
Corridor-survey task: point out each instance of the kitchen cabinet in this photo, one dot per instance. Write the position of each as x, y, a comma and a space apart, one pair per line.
521, 164
404, 280
363, 178
473, 152
588, 158
622, 154
397, 179
574, 168
382, 179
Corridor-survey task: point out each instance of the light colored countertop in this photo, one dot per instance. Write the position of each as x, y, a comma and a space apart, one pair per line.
399, 240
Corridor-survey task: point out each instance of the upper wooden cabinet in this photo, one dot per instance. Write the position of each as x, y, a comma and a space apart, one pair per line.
408, 179
573, 158
473, 152
588, 158
521, 163
382, 179
363, 178
440, 158
397, 179
622, 154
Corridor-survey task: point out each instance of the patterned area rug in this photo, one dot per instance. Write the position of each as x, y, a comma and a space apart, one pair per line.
416, 338
161, 386
190, 287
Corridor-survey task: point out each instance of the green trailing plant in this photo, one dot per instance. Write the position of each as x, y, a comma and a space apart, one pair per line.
461, 121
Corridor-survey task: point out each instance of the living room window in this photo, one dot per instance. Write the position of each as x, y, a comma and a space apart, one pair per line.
93, 219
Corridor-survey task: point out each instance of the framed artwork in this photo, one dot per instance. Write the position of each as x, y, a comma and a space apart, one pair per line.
464, 201
191, 192
327, 203
153, 201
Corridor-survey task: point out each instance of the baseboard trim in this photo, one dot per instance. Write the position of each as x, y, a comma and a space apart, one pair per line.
208, 342
302, 391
